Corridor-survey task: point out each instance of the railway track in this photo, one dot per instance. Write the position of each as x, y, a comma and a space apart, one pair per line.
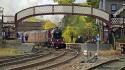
49, 61
118, 64
23, 58
65, 59
19, 58
26, 61
10, 59
123, 68
6, 57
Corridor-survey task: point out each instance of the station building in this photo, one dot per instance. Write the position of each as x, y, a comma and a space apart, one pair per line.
117, 10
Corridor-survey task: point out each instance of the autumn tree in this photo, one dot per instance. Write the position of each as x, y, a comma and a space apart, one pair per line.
64, 1
79, 25
67, 33
33, 19
48, 24
93, 3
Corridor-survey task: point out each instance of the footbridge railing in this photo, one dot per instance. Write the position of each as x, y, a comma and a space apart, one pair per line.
62, 9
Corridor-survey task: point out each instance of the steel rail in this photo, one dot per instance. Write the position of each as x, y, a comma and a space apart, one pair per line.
60, 63
37, 63
18, 57
107, 62
22, 60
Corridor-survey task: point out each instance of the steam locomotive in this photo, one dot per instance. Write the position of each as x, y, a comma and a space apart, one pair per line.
55, 39
47, 37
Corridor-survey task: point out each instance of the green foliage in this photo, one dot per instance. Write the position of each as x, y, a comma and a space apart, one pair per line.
48, 25
85, 4
67, 31
79, 25
93, 3
33, 19
91, 25
64, 1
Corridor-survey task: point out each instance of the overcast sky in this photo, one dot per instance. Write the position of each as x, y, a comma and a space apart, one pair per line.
13, 6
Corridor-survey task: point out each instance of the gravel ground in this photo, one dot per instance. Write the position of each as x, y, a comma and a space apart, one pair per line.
72, 65
76, 65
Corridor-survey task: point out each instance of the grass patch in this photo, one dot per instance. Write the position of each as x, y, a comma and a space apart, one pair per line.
9, 52
109, 53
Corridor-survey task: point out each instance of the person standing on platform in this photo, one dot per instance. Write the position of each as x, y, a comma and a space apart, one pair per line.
52, 31
49, 33
79, 39
71, 36
26, 37
17, 35
3, 34
22, 38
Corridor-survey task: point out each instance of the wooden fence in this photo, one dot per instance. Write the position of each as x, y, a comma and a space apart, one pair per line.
119, 45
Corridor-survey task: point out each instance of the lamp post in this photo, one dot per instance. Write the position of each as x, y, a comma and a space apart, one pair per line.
123, 16
1, 25
97, 39
1, 20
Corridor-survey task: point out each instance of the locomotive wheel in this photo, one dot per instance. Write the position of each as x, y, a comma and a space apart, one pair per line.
46, 44
60, 46
49, 45
63, 46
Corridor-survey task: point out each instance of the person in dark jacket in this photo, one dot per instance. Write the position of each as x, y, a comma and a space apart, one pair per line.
71, 36
26, 37
22, 38
17, 35
79, 39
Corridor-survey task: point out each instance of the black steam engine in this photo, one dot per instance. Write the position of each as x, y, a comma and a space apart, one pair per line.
55, 39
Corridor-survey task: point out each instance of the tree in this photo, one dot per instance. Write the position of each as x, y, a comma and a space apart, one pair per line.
93, 3
79, 25
48, 25
64, 1
67, 33
33, 19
